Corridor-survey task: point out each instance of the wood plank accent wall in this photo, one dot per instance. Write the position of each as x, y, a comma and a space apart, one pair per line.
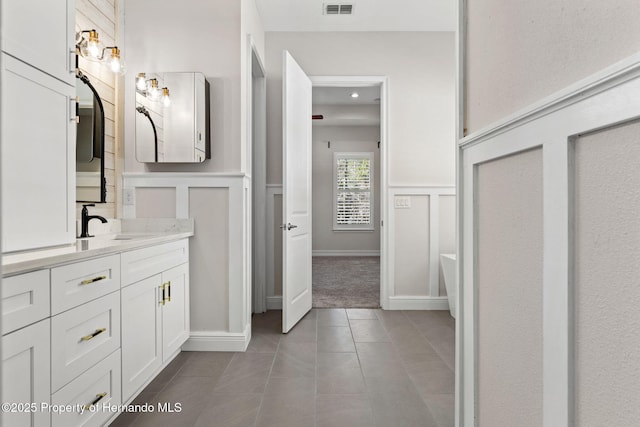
101, 15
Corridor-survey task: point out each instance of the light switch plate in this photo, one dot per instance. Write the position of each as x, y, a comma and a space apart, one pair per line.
127, 197
402, 202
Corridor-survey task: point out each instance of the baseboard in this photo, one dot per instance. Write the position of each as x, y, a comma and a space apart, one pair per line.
417, 303
274, 303
218, 341
345, 253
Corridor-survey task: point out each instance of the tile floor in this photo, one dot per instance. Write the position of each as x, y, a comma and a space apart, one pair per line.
337, 367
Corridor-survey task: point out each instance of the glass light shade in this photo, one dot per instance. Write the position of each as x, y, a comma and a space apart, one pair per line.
141, 82
166, 100
116, 64
91, 48
154, 91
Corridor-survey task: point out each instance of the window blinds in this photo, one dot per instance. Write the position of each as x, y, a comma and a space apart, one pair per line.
353, 190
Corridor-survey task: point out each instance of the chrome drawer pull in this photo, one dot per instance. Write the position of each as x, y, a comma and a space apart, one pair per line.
95, 279
98, 398
93, 335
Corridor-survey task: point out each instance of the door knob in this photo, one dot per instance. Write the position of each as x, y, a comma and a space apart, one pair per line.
288, 226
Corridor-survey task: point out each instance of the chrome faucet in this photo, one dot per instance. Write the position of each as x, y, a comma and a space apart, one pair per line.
86, 218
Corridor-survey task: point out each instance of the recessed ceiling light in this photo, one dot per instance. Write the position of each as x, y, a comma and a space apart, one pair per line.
354, 94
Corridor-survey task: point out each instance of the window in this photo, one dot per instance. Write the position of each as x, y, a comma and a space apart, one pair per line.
353, 191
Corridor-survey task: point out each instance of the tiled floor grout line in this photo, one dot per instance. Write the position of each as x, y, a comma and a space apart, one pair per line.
404, 365
264, 390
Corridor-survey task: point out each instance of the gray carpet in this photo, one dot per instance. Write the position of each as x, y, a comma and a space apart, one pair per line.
346, 282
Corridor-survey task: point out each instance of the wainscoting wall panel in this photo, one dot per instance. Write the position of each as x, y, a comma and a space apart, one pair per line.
590, 238
413, 279
607, 268
219, 271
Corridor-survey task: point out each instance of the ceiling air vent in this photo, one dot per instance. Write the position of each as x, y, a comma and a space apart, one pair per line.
338, 9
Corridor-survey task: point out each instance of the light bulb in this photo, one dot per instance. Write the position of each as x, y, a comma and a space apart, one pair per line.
166, 101
93, 48
354, 94
141, 82
116, 64
154, 91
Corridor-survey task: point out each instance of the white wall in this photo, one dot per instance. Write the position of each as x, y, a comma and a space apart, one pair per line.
188, 36
420, 68
607, 267
350, 139
420, 71
209, 37
520, 52
510, 291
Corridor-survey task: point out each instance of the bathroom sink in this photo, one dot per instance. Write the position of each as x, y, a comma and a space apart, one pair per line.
132, 236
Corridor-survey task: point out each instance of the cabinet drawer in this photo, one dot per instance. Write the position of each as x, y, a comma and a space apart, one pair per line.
75, 284
83, 336
25, 300
100, 384
146, 262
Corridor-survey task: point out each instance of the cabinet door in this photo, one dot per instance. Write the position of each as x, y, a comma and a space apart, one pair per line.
38, 158
26, 374
41, 33
141, 336
175, 312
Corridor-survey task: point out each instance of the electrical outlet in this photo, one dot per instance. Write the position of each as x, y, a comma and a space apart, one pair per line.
402, 202
127, 196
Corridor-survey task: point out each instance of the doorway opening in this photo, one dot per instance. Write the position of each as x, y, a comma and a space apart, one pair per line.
346, 182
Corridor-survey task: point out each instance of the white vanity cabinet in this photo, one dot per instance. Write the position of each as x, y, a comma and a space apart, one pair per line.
92, 332
38, 158
26, 343
26, 376
41, 33
155, 310
37, 97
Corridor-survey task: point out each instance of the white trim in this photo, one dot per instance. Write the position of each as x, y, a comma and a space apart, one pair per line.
218, 341
345, 253
272, 191
364, 155
601, 101
383, 82
610, 77
418, 303
434, 193
274, 302
257, 155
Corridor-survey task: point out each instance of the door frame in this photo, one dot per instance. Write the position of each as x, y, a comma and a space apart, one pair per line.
256, 159
382, 82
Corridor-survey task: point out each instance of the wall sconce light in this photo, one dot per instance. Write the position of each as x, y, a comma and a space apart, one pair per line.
150, 88
92, 49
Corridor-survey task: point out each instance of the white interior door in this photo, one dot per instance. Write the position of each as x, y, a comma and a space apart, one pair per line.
296, 193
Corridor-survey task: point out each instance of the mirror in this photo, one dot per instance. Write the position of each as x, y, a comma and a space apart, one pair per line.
90, 182
172, 118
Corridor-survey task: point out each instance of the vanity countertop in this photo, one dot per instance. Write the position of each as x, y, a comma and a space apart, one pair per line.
132, 234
